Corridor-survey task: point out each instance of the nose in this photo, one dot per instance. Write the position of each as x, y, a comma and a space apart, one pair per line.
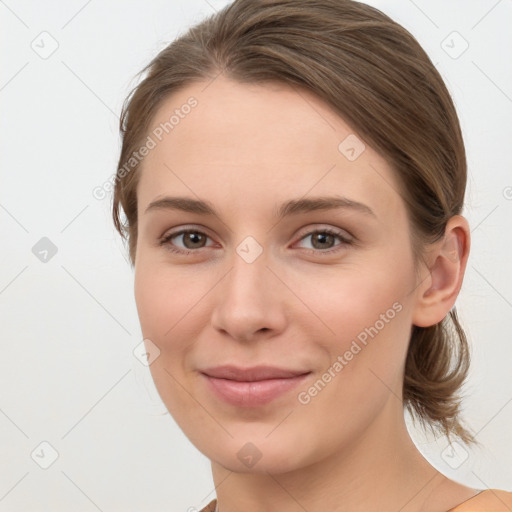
250, 301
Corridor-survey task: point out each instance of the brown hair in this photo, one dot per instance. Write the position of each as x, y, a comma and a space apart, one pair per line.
375, 75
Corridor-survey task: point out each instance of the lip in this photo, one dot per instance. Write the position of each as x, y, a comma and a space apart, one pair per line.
251, 387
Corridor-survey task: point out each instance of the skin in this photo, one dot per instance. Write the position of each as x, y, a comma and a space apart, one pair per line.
247, 149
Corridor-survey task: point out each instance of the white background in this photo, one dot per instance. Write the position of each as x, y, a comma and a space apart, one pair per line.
69, 325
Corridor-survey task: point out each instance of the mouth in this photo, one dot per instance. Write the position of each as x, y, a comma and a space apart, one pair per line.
251, 387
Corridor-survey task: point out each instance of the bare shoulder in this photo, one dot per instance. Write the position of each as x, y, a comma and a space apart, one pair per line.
489, 500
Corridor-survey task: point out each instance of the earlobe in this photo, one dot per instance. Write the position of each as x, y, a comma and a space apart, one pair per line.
438, 295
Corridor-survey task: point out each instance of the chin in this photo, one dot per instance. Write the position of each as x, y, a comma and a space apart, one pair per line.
257, 455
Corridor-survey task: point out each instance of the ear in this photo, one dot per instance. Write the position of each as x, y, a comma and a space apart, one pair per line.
437, 292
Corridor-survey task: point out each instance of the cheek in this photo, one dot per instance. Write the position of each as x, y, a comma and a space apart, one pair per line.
171, 306
163, 298
363, 360
348, 300
367, 318
165, 305
149, 299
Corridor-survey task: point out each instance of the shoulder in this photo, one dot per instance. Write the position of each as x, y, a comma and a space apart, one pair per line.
490, 500
210, 507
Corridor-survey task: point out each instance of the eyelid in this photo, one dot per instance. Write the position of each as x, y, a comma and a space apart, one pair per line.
343, 233
184, 228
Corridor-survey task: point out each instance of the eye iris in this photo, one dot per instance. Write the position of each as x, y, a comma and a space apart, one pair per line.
193, 235
324, 237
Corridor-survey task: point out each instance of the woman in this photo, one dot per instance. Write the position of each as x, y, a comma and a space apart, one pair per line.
292, 177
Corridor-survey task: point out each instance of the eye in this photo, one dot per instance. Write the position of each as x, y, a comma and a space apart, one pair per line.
192, 238
322, 240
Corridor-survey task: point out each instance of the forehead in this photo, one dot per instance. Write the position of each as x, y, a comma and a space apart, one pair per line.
257, 145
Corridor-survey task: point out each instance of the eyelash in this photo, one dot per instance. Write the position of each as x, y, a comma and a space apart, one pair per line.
165, 240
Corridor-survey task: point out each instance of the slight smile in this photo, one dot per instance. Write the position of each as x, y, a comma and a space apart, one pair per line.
251, 387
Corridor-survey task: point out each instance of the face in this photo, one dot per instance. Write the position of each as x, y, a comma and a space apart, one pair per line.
268, 273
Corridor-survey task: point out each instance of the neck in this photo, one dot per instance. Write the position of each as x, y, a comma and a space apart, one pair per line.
379, 470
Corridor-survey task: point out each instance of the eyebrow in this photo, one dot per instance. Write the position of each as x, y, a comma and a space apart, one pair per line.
291, 207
